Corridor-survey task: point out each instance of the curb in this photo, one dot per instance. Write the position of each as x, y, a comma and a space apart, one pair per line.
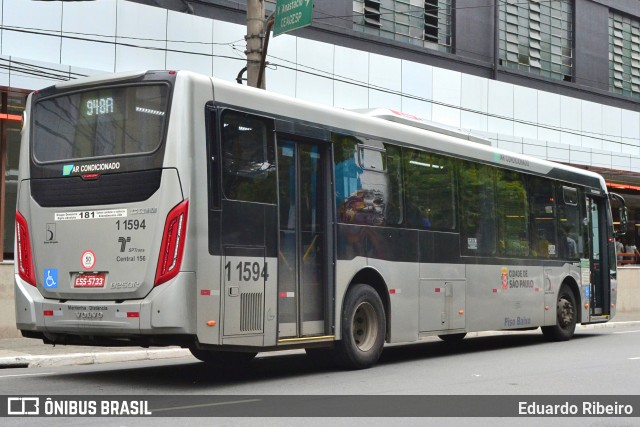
39, 361
608, 325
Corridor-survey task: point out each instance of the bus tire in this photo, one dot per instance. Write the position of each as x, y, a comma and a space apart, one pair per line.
566, 317
363, 328
211, 357
451, 338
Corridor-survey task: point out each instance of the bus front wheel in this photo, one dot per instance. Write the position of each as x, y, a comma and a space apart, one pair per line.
566, 317
363, 328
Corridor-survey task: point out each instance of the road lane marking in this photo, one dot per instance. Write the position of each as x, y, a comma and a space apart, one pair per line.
27, 375
204, 405
626, 332
634, 358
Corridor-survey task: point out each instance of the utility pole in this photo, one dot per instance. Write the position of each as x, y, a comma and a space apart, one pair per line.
255, 34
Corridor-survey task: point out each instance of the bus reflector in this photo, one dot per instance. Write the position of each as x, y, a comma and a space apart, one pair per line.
172, 247
25, 255
133, 314
48, 312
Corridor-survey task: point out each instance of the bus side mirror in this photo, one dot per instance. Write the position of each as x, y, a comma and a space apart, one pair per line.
623, 214
624, 221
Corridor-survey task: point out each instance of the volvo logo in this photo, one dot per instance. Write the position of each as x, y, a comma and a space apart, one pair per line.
87, 315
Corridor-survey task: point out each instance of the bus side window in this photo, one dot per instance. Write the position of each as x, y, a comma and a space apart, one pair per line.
513, 214
248, 158
368, 181
430, 194
477, 209
570, 240
543, 212
395, 207
347, 172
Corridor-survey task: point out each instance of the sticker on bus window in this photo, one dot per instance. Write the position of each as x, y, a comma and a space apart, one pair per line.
101, 214
585, 271
472, 243
552, 249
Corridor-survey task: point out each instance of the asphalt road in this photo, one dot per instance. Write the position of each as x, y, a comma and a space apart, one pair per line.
596, 362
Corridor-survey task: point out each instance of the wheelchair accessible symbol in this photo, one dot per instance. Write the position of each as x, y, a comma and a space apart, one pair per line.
50, 278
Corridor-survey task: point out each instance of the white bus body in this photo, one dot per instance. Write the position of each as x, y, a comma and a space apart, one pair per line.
170, 208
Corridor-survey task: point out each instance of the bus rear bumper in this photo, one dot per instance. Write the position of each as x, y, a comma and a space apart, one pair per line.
164, 311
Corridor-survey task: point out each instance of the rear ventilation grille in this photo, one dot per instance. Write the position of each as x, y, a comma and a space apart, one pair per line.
251, 312
108, 189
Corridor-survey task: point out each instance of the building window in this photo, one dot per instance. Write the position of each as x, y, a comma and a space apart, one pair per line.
425, 23
12, 103
624, 55
437, 24
537, 37
372, 13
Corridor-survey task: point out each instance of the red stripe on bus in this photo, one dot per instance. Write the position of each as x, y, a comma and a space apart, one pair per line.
11, 117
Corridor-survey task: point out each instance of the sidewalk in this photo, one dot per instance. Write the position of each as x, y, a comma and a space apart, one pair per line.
26, 352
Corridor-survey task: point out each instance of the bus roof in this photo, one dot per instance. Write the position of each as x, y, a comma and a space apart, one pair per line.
415, 121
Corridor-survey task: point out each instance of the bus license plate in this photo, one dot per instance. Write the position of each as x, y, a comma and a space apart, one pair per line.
89, 280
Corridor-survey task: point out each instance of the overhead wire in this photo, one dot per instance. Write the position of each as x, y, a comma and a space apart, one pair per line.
51, 73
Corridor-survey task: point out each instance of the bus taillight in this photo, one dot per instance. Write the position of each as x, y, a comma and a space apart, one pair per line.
172, 247
25, 256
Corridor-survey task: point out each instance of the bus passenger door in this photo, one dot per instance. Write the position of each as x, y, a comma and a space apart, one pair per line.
242, 229
598, 258
302, 250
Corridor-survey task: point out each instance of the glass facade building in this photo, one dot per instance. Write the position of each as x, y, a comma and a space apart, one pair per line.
553, 79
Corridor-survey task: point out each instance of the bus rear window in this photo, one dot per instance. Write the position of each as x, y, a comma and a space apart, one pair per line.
100, 123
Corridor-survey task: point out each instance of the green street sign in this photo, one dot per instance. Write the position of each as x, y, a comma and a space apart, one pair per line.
291, 15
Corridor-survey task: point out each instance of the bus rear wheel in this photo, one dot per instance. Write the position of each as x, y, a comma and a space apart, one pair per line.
222, 357
566, 317
363, 328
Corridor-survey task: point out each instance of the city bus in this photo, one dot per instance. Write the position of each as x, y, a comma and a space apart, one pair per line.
166, 208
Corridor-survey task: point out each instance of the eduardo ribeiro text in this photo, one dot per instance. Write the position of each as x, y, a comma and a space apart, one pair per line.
566, 408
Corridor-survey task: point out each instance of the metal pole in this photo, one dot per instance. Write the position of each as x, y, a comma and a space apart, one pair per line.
265, 49
255, 32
